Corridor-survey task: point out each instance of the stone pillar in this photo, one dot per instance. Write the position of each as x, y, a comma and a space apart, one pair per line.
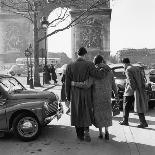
2, 50
93, 32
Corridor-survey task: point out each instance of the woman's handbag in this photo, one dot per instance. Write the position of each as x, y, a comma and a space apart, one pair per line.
115, 107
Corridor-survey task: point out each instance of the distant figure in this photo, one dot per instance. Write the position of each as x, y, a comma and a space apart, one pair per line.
63, 94
54, 76
46, 74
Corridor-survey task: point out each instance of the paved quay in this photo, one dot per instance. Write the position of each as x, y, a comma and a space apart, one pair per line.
124, 140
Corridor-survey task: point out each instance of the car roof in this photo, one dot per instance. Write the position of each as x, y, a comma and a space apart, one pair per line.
114, 66
119, 65
4, 75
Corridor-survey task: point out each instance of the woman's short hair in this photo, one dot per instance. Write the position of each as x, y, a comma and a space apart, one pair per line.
98, 59
125, 60
82, 51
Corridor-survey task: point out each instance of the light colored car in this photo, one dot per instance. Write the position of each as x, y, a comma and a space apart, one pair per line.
61, 69
17, 70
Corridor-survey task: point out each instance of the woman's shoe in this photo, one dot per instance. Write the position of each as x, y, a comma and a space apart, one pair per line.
87, 137
106, 136
100, 136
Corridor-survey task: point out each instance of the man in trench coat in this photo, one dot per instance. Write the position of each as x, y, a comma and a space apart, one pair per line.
134, 93
81, 99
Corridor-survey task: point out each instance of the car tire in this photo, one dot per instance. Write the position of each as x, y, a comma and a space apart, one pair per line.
19, 74
31, 130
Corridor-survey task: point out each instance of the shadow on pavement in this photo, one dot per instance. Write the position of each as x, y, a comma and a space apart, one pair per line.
58, 140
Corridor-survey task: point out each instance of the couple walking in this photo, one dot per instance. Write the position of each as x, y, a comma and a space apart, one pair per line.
88, 88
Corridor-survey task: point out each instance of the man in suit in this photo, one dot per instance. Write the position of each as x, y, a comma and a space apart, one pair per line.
134, 93
81, 99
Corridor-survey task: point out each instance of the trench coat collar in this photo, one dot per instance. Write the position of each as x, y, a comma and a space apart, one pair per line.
80, 59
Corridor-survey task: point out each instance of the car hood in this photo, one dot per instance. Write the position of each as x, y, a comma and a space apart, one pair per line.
120, 82
32, 94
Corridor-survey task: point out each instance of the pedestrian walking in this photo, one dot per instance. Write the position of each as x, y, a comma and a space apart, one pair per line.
134, 93
54, 76
102, 92
81, 99
63, 94
46, 74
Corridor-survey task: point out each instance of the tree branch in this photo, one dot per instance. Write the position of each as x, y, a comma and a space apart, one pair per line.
76, 19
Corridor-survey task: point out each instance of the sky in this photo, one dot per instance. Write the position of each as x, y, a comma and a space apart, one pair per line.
132, 26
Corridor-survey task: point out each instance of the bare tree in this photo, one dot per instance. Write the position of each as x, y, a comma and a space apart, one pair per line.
30, 9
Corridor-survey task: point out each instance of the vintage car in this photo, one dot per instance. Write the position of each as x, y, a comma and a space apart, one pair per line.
24, 112
120, 78
152, 75
17, 70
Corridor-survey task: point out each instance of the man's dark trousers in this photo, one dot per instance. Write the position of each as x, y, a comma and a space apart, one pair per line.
80, 131
128, 103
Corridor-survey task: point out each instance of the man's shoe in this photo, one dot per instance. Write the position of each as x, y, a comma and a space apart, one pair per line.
2, 134
124, 123
87, 137
80, 138
142, 125
107, 136
100, 136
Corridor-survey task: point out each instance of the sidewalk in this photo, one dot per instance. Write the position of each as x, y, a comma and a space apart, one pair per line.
124, 140
139, 141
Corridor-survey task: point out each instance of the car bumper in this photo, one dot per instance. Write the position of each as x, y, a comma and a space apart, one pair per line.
57, 114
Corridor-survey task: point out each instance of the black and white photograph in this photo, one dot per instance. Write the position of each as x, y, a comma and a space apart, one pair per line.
77, 77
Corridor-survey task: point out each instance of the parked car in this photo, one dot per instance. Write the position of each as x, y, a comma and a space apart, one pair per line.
120, 79
24, 112
17, 70
61, 69
152, 75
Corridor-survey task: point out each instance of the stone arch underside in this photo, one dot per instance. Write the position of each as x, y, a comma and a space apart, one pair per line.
93, 32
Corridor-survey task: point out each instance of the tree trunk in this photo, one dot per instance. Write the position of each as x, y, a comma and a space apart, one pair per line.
36, 54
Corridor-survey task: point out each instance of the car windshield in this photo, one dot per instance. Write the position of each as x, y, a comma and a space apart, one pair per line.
10, 85
119, 73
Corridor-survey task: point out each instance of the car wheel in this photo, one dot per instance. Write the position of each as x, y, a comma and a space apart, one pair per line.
26, 127
12, 74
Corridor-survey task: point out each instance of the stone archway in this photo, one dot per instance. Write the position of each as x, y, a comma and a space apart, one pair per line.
93, 33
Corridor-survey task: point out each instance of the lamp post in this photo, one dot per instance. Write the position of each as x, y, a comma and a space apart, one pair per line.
45, 24
31, 79
27, 54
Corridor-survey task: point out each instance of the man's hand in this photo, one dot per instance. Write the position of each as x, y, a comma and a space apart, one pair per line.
105, 67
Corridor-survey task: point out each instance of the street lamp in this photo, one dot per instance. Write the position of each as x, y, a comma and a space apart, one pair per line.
27, 54
45, 24
31, 79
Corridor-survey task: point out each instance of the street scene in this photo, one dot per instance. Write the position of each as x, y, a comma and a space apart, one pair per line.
77, 77
58, 137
